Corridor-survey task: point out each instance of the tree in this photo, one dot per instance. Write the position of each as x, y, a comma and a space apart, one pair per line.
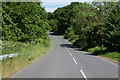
90, 25
25, 22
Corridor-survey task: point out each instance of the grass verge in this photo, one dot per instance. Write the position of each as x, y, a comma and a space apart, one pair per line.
101, 51
28, 54
113, 56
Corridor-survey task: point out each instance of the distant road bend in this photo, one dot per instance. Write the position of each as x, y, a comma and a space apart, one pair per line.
63, 61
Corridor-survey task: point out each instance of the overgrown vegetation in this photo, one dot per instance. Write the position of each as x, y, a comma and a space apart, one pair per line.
89, 25
24, 31
27, 54
114, 56
97, 50
25, 26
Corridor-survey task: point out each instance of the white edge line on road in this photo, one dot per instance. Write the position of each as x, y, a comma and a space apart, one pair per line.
83, 74
74, 60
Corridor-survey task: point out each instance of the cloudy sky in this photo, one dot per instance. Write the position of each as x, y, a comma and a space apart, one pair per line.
51, 5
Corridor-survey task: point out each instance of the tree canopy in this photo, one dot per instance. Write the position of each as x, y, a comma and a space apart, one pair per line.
89, 25
24, 21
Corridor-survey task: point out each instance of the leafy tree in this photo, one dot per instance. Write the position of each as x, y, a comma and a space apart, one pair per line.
112, 36
25, 22
89, 25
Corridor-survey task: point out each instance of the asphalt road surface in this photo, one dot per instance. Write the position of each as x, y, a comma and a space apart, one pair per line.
66, 61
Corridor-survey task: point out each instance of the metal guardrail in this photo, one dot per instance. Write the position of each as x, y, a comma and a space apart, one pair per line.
8, 56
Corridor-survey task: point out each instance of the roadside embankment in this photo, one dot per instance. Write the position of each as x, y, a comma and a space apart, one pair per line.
28, 53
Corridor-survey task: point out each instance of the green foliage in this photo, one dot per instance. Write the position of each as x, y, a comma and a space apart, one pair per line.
9, 47
53, 24
70, 35
112, 55
24, 31
101, 51
95, 24
97, 50
27, 54
63, 17
24, 21
112, 37
0, 19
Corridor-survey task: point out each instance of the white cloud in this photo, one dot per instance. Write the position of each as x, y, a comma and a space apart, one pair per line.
66, 1
51, 5
55, 3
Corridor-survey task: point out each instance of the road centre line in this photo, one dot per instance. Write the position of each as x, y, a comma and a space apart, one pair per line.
65, 47
81, 71
74, 60
68, 51
83, 74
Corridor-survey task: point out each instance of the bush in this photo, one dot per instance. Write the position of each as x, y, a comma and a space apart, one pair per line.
70, 35
24, 22
97, 50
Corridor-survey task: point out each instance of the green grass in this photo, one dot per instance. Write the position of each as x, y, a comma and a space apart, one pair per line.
112, 55
101, 51
28, 54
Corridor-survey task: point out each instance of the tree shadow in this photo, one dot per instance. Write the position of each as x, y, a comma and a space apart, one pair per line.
97, 53
67, 45
76, 49
53, 34
90, 54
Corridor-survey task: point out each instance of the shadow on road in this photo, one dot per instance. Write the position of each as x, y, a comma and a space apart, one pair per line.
70, 46
76, 49
52, 33
67, 45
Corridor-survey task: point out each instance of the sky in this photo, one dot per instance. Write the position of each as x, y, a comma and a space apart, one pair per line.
51, 5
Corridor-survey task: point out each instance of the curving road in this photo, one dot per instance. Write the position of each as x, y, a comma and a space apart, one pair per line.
65, 61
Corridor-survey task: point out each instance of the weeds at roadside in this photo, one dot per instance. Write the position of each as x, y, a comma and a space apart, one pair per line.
27, 54
101, 51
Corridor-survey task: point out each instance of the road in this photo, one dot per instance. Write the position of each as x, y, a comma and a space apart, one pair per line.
65, 61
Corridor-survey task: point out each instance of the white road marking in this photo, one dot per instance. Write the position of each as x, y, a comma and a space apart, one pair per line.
68, 51
74, 60
83, 74
65, 47
70, 54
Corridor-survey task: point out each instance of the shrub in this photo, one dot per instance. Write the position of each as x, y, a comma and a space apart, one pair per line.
97, 50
